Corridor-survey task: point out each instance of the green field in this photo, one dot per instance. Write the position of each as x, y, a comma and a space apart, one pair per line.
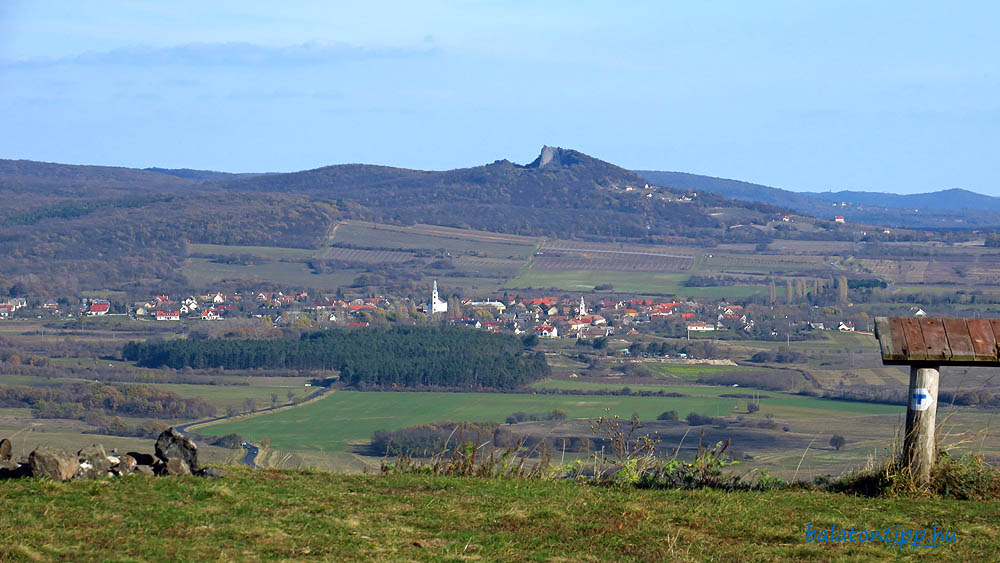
224, 396
350, 417
645, 283
692, 372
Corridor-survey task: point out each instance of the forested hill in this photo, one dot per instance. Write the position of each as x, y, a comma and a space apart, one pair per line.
945, 209
562, 193
73, 227
52, 179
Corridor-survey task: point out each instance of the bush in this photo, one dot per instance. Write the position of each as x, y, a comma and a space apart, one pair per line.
968, 477
667, 415
232, 441
695, 419
837, 442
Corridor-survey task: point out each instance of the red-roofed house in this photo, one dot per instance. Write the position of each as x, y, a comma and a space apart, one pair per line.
168, 315
98, 309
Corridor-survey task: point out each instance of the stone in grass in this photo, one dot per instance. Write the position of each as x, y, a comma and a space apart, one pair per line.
94, 462
126, 465
52, 463
144, 470
173, 445
6, 450
176, 466
211, 472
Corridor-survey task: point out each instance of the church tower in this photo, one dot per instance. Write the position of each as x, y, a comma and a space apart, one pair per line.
583, 307
436, 305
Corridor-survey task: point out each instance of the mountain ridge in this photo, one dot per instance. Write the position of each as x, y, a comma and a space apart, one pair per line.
945, 209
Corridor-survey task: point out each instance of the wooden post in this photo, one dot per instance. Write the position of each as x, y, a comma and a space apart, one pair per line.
918, 443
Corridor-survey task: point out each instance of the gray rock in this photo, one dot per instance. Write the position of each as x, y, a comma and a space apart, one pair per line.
52, 463
94, 462
6, 450
144, 470
173, 445
126, 465
211, 472
142, 459
176, 466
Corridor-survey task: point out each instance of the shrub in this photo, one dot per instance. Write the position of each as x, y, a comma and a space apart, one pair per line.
837, 441
695, 419
968, 477
667, 415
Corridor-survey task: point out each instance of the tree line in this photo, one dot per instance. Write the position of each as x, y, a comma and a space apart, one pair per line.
78, 400
399, 356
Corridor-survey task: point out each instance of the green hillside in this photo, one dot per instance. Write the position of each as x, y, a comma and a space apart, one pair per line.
284, 515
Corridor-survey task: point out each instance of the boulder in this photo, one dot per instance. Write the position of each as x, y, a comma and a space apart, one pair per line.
176, 466
173, 445
6, 450
142, 459
94, 462
126, 465
211, 472
144, 470
52, 463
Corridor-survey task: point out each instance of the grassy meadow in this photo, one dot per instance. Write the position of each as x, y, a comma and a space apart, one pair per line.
293, 515
346, 418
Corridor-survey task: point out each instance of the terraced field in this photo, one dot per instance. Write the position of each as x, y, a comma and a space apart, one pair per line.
429, 237
643, 283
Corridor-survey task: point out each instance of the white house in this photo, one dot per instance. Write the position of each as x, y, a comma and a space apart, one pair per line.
547, 331
700, 327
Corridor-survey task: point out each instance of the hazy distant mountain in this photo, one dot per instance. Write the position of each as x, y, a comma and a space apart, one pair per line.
953, 199
946, 209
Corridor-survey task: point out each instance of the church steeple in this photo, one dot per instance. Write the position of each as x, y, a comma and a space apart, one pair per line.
436, 304
583, 307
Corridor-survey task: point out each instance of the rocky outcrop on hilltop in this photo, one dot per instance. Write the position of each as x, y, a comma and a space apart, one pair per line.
175, 454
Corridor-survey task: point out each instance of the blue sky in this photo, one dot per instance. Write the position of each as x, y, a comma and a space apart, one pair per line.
892, 96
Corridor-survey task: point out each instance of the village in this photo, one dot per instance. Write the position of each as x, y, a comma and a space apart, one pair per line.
579, 317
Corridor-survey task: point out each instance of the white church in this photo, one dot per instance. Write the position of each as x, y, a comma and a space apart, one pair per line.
437, 305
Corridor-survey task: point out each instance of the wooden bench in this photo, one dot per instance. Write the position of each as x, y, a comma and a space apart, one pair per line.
926, 344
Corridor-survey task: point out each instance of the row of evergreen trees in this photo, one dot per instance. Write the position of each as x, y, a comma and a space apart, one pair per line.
370, 357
